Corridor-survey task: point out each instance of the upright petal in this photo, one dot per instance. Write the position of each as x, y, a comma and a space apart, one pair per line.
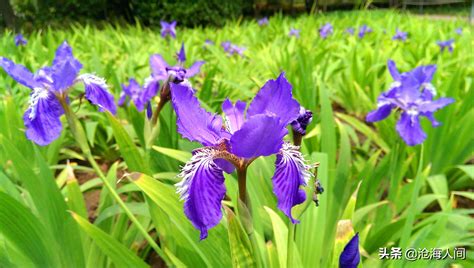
64, 53
158, 65
410, 129
19, 72
234, 114
194, 69
275, 98
291, 172
350, 256
194, 123
64, 75
42, 118
261, 135
202, 189
150, 88
392, 68
97, 92
423, 74
181, 54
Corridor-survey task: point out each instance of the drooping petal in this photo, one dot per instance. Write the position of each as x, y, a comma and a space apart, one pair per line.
97, 92
19, 73
181, 54
409, 128
194, 123
350, 256
432, 106
379, 114
158, 65
261, 135
430, 116
202, 189
291, 172
42, 118
234, 114
194, 69
275, 98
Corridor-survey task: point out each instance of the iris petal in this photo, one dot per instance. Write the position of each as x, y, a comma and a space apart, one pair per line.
42, 118
410, 129
291, 172
20, 73
194, 123
202, 190
97, 92
379, 114
234, 114
275, 98
158, 65
432, 106
194, 69
261, 135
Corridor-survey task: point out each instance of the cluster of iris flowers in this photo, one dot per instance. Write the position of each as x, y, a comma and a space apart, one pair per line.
248, 131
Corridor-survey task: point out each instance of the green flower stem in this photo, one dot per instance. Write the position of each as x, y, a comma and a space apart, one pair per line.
290, 260
80, 136
410, 219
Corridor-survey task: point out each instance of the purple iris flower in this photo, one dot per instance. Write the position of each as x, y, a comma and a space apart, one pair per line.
363, 30
208, 42
350, 30
263, 21
20, 40
412, 93
50, 87
247, 134
458, 31
326, 30
448, 44
141, 97
232, 49
294, 32
168, 28
399, 35
161, 70
350, 256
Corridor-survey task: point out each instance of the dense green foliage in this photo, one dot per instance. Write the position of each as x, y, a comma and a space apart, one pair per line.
367, 171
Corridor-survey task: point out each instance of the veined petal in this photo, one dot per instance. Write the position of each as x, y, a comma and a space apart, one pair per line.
194, 123
409, 128
158, 65
97, 92
261, 135
42, 118
19, 73
291, 172
202, 189
275, 98
350, 256
194, 69
234, 114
